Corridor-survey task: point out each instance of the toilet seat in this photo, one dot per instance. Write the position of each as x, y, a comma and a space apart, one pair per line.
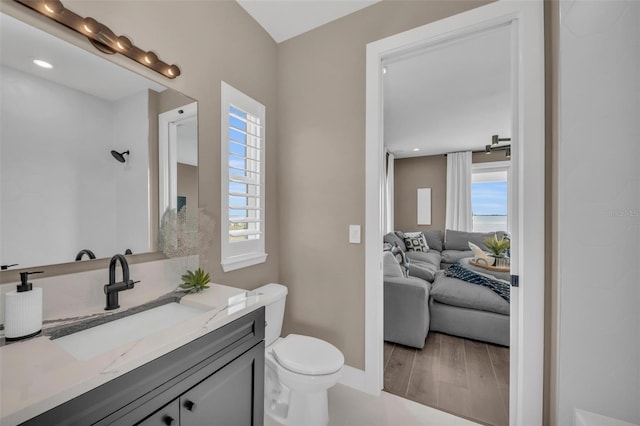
308, 355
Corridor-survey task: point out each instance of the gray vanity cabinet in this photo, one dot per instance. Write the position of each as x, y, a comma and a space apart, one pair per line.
226, 398
217, 379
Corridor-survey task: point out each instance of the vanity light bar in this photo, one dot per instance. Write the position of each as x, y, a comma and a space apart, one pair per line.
101, 36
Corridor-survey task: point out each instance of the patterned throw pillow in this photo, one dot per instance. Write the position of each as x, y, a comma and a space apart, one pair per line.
400, 257
415, 241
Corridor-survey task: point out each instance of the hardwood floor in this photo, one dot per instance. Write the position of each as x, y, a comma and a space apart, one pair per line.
460, 376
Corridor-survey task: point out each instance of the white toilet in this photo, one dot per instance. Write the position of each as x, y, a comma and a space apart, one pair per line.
298, 369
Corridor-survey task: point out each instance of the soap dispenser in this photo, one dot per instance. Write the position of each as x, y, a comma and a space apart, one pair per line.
23, 310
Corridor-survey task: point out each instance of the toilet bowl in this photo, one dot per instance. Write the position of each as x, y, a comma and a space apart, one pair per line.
298, 369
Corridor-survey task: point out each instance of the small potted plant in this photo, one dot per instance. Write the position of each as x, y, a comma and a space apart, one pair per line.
498, 249
195, 282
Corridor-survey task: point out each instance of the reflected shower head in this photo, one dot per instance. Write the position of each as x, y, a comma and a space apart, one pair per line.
119, 155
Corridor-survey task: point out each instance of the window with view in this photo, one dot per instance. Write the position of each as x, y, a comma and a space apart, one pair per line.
490, 197
243, 195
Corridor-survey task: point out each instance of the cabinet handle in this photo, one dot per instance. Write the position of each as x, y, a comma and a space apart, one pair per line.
190, 405
167, 420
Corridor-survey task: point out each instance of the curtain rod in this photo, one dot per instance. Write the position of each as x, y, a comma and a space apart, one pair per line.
498, 148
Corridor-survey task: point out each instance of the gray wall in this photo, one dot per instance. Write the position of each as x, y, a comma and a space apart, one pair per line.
414, 173
426, 172
321, 149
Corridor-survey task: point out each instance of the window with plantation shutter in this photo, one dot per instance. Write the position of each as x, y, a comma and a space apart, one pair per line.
243, 191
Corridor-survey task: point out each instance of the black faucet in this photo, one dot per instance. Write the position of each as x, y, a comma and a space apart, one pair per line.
82, 252
5, 267
113, 288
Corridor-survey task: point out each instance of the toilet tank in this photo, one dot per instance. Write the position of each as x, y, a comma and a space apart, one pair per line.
274, 310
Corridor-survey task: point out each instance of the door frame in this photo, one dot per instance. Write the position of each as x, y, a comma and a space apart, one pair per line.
527, 300
168, 123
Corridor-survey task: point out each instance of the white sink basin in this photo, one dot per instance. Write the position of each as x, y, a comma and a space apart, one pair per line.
94, 341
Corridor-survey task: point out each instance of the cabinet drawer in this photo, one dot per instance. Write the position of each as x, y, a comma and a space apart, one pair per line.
169, 415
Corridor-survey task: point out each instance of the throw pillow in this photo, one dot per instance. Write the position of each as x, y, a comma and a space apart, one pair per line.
434, 239
415, 241
400, 257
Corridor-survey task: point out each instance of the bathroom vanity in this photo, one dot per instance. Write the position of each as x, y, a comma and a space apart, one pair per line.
206, 368
217, 376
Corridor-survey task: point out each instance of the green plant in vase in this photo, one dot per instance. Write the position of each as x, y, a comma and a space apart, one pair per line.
498, 249
195, 282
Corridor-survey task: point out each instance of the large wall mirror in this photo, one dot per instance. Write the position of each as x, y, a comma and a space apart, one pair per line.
79, 152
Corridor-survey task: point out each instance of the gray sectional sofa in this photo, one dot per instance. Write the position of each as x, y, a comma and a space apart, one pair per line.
406, 305
427, 299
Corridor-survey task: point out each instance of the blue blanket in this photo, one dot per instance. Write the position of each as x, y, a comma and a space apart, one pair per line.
499, 287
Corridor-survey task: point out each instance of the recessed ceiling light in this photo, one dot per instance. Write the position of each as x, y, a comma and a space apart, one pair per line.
384, 70
416, 149
43, 64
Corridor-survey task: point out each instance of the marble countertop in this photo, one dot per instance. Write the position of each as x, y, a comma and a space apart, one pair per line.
37, 374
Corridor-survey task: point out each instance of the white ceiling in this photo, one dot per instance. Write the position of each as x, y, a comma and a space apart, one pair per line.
285, 19
450, 97
447, 98
73, 67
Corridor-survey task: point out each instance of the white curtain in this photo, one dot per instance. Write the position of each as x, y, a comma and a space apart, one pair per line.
388, 194
459, 216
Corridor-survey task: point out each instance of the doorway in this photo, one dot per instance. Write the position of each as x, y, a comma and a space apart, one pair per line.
178, 158
453, 96
527, 265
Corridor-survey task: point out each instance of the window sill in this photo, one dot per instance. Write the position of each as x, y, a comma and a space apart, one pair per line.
244, 261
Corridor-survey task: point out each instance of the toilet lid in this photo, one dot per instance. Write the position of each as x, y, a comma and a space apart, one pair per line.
308, 355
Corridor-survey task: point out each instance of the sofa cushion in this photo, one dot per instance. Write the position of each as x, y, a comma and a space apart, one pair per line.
455, 292
394, 239
499, 287
458, 240
390, 265
415, 241
453, 256
434, 239
431, 257
425, 271
423, 264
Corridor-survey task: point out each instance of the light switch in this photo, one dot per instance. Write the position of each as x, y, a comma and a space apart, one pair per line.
354, 234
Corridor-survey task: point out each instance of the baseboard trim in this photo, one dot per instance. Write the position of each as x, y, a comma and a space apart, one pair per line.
353, 377
356, 379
